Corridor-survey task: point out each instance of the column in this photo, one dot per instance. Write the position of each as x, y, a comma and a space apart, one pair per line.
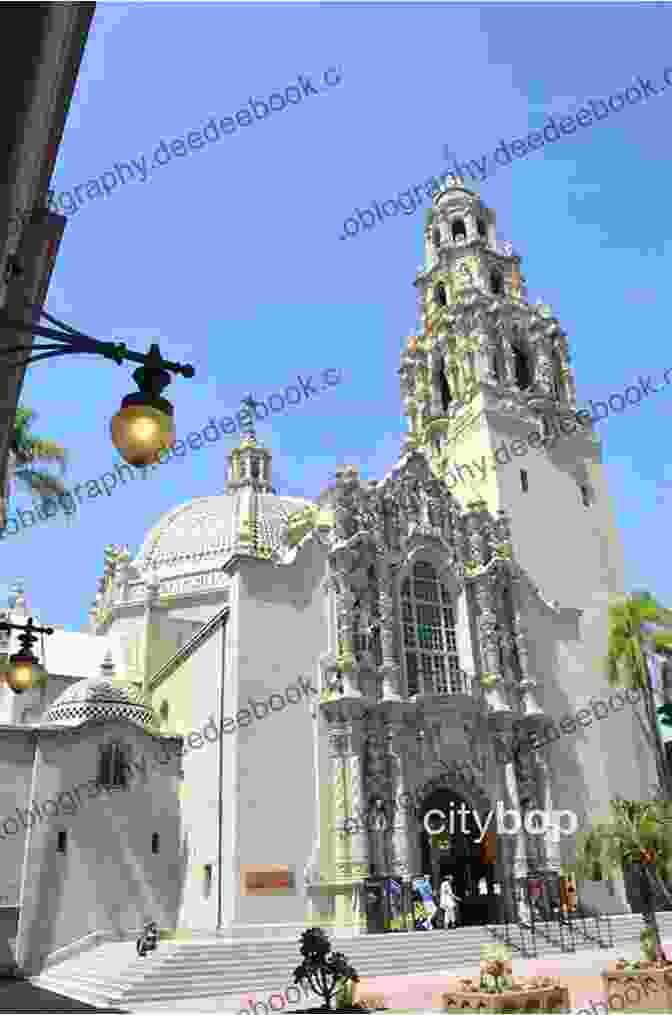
553, 859
359, 841
340, 831
394, 733
350, 837
512, 802
345, 656
390, 668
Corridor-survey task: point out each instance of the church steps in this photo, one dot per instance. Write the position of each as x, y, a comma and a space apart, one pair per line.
229, 969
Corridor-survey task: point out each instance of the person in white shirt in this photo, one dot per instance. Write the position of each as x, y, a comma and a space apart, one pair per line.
449, 902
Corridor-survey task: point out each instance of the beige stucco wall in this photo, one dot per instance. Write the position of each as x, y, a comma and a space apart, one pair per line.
16, 766
603, 757
280, 633
108, 879
192, 691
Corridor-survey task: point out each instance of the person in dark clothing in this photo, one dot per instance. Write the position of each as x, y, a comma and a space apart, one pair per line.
149, 938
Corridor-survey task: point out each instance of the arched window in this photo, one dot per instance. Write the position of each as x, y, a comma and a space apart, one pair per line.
440, 294
430, 645
522, 368
112, 766
459, 231
496, 282
482, 229
207, 880
436, 237
446, 395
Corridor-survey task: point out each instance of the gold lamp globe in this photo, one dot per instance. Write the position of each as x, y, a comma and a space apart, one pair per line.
23, 671
141, 431
144, 425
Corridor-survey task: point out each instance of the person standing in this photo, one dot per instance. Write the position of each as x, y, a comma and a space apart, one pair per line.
449, 902
148, 940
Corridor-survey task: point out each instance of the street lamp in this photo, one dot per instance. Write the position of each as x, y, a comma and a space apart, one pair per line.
25, 668
144, 425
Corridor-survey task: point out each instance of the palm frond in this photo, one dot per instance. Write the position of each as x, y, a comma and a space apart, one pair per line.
39, 483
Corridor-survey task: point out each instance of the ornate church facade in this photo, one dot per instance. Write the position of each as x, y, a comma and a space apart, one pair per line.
445, 628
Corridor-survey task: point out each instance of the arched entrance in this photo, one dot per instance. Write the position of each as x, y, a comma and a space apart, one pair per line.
464, 851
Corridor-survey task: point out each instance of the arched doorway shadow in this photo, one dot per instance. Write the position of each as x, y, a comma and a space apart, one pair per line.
464, 851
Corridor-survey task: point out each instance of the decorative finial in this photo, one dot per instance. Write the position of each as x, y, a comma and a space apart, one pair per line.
107, 668
247, 429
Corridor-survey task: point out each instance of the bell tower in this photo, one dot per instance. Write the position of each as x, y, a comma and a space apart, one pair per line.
490, 396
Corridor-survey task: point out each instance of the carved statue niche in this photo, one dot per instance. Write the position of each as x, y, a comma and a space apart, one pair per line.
526, 777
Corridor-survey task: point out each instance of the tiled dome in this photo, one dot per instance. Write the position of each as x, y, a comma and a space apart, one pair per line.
203, 529
98, 698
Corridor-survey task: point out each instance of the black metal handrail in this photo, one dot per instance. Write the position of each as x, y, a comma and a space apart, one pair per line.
564, 939
580, 919
528, 951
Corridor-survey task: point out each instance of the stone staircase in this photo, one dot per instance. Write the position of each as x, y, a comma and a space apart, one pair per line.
235, 971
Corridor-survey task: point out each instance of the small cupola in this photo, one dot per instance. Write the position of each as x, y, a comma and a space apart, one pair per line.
250, 464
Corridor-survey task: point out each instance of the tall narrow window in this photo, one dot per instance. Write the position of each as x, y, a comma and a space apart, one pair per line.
155, 842
585, 496
436, 237
458, 230
496, 283
482, 231
119, 769
446, 394
207, 880
524, 484
428, 629
557, 375
440, 294
112, 766
62, 843
522, 368
105, 765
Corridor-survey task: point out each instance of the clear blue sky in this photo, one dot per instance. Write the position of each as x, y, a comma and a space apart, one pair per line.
231, 257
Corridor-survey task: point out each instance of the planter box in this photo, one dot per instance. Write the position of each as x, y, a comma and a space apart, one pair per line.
537, 999
649, 990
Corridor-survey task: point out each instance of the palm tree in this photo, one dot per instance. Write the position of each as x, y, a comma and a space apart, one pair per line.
632, 629
638, 834
27, 448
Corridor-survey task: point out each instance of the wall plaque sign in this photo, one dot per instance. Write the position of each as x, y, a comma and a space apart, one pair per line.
269, 880
193, 583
